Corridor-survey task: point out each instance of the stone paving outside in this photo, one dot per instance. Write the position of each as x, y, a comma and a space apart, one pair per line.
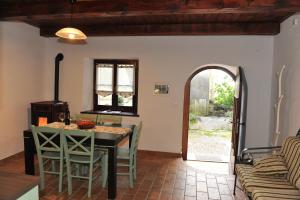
210, 139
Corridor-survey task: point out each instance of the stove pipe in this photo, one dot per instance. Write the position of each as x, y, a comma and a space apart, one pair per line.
59, 57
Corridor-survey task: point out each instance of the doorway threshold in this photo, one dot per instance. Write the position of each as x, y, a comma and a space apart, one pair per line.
197, 156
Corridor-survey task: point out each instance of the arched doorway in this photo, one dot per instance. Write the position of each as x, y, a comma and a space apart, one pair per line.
234, 73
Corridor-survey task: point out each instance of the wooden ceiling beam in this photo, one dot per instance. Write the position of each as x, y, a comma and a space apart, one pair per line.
270, 28
18, 10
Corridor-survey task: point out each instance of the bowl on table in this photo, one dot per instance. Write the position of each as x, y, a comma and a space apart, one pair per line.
85, 124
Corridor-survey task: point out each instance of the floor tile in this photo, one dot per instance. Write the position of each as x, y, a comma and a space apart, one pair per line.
226, 197
211, 182
221, 179
223, 189
191, 180
159, 177
202, 196
213, 193
190, 190
190, 198
201, 187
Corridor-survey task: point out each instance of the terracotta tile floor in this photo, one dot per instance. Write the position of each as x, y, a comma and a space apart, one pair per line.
159, 177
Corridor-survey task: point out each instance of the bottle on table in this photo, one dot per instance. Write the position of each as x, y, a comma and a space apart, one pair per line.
67, 117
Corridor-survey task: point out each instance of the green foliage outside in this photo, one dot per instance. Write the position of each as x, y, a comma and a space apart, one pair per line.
193, 118
224, 95
120, 100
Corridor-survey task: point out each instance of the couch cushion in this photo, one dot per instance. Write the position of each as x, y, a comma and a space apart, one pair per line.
298, 183
251, 181
270, 165
291, 155
275, 194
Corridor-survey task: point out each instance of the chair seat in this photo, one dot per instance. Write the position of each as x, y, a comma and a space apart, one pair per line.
123, 153
77, 158
271, 194
251, 182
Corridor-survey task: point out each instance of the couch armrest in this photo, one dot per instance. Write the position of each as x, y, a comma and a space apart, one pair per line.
255, 150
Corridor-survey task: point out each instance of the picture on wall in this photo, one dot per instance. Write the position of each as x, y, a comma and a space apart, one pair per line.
161, 89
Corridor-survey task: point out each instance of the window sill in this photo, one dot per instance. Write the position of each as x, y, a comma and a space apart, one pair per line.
127, 114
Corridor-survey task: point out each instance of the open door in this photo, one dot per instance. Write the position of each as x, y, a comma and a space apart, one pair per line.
186, 105
240, 113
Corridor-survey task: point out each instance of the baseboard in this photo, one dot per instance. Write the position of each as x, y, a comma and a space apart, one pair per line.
160, 153
142, 152
13, 157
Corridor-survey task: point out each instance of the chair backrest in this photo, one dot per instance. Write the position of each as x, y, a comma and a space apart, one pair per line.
47, 139
135, 139
291, 154
91, 117
79, 143
110, 119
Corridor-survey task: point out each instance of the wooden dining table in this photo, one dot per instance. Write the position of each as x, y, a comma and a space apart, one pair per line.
104, 136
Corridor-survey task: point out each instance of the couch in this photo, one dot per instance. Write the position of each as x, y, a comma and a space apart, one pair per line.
264, 186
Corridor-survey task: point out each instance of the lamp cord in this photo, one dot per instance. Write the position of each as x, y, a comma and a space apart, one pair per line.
71, 18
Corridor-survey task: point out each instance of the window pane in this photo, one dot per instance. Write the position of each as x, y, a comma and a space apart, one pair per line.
125, 101
104, 84
125, 85
105, 100
125, 78
104, 77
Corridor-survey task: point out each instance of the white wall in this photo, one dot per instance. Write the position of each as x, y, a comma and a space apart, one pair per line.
168, 60
27, 73
287, 51
21, 66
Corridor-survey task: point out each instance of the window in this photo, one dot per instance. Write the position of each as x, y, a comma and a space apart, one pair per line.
116, 85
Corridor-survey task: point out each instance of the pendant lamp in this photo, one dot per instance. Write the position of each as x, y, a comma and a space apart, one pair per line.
70, 32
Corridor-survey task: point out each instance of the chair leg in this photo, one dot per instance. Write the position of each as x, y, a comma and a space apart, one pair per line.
90, 180
134, 169
234, 188
104, 170
131, 172
61, 172
77, 168
42, 174
69, 175
83, 170
131, 177
53, 168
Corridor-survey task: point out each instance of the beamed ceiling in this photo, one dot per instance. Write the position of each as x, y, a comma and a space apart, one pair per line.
153, 17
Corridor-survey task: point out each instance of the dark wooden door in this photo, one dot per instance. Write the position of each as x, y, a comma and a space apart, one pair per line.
240, 113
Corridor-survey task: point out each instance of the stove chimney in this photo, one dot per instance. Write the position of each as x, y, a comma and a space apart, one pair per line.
59, 57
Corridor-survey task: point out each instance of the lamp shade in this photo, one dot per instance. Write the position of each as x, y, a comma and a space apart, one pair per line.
71, 33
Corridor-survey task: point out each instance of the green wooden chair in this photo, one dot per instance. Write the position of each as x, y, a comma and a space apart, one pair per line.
49, 150
130, 155
109, 119
91, 117
80, 149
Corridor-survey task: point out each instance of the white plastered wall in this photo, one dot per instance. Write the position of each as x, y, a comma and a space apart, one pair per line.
168, 60
287, 52
21, 75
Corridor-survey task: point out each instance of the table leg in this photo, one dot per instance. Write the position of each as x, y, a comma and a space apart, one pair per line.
29, 155
112, 172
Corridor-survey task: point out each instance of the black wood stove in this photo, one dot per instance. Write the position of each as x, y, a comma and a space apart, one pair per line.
48, 111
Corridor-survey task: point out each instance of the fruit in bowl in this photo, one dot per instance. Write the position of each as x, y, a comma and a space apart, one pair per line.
85, 124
